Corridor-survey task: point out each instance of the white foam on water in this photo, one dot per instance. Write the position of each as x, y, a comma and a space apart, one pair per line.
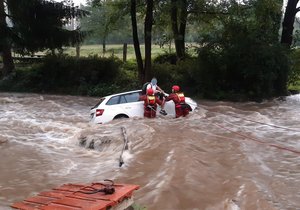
293, 98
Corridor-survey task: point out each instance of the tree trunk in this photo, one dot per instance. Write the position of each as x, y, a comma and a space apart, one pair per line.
182, 27
174, 21
8, 63
136, 42
179, 34
288, 22
77, 50
103, 46
124, 52
5, 47
148, 37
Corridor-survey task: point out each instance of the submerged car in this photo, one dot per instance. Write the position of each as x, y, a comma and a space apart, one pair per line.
127, 105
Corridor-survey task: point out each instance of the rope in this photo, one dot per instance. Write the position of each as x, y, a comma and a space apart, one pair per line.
268, 124
272, 125
107, 190
258, 141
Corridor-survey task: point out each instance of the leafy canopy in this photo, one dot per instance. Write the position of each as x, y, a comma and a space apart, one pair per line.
40, 24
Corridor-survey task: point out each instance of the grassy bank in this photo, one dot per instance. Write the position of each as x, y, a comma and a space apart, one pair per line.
116, 50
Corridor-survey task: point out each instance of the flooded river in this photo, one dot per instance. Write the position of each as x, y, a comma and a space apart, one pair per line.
224, 156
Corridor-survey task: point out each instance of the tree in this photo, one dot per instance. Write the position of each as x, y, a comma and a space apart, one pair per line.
105, 18
136, 42
5, 42
40, 25
288, 22
243, 55
179, 25
180, 14
148, 38
37, 25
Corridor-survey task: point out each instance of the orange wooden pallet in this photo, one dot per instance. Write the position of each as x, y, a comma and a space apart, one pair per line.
95, 196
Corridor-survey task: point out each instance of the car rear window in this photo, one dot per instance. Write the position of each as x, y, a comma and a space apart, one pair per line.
101, 100
114, 100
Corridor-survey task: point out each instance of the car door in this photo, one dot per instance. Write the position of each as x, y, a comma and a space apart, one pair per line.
131, 104
112, 108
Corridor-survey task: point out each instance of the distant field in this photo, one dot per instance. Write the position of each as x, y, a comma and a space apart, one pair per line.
115, 50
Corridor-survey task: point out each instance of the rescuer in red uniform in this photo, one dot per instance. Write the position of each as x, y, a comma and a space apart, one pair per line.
181, 108
150, 103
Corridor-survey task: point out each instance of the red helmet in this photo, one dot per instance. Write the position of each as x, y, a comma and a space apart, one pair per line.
176, 88
150, 91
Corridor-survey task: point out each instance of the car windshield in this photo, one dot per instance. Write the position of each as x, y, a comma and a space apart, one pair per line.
101, 100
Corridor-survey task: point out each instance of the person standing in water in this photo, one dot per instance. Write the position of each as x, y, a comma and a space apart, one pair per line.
157, 92
181, 108
150, 103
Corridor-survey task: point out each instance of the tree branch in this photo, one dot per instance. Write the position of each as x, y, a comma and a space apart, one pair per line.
297, 10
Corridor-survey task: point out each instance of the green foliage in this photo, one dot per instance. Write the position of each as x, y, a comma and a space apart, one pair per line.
243, 56
64, 74
40, 24
57, 71
294, 76
108, 20
182, 74
166, 58
24, 79
92, 76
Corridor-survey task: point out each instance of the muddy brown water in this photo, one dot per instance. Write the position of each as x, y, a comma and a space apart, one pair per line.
224, 156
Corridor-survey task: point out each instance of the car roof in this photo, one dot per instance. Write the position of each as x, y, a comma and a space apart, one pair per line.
117, 94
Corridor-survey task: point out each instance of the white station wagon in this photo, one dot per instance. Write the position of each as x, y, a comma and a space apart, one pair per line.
125, 105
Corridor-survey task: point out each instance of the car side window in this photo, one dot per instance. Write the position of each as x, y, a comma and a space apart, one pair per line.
132, 97
122, 100
114, 100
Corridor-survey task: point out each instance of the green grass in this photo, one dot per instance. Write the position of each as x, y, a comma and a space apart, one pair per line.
295, 86
115, 50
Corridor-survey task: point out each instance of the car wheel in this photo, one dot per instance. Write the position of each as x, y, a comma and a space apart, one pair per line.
120, 116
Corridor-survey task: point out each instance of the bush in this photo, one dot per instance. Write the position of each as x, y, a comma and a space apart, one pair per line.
64, 71
170, 58
69, 75
243, 57
294, 76
181, 74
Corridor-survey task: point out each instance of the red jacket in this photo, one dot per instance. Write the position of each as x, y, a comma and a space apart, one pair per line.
176, 97
147, 102
180, 105
150, 105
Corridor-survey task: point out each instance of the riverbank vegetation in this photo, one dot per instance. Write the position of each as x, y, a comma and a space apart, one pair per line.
235, 52
98, 76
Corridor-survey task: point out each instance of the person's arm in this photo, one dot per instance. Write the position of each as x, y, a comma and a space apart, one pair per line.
159, 89
158, 101
142, 97
169, 98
